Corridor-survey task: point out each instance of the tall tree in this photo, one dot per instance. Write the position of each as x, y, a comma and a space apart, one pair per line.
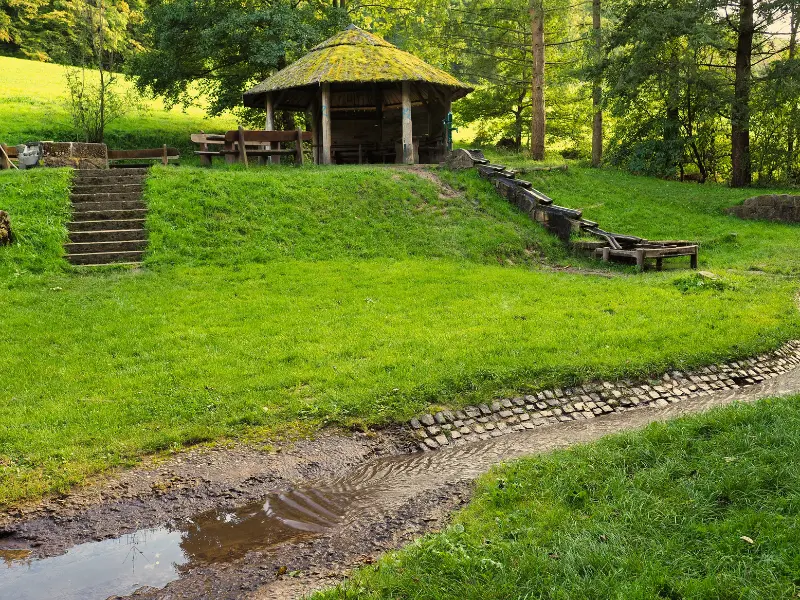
597, 87
537, 81
741, 172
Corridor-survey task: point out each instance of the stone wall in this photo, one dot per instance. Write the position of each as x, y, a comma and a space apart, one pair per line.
554, 406
74, 154
771, 207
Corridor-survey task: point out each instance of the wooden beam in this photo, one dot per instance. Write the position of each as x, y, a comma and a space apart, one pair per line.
5, 161
325, 108
408, 139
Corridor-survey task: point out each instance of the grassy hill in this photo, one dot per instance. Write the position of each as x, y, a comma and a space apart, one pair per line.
281, 299
33, 107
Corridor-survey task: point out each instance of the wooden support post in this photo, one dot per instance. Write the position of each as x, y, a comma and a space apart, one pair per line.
408, 139
659, 264
164, 156
230, 157
205, 161
325, 109
606, 254
314, 121
269, 122
640, 259
242, 149
299, 148
693, 259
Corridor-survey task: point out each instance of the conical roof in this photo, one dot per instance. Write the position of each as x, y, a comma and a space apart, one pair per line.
356, 56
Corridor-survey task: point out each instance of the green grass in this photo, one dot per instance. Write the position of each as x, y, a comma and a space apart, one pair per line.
658, 513
280, 298
33, 108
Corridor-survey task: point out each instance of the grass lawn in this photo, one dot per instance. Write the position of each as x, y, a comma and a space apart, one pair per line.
703, 507
33, 108
278, 298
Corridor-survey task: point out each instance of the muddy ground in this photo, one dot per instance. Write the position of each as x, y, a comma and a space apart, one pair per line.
389, 497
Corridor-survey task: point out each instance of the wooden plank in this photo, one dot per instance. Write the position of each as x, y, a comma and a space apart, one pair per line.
153, 153
208, 138
258, 136
325, 109
242, 147
256, 151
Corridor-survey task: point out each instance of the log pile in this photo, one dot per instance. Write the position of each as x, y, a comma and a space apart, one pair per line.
567, 222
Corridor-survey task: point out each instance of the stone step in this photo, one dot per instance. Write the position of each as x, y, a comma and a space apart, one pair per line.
105, 224
103, 188
111, 215
110, 172
107, 197
109, 180
105, 247
107, 235
107, 205
106, 258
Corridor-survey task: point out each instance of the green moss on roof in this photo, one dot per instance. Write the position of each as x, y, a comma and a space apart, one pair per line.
355, 55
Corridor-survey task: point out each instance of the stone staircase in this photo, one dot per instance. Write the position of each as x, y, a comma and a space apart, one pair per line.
108, 217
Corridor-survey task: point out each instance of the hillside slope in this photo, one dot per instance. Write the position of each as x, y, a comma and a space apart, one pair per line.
33, 107
282, 299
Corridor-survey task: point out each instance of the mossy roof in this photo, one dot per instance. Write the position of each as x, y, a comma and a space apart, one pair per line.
356, 56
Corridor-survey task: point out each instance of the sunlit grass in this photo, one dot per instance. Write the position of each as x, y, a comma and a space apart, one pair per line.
702, 507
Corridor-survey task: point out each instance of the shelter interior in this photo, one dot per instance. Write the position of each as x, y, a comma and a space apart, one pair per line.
382, 122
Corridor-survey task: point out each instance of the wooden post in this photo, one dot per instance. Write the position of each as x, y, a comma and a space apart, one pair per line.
242, 149
164, 156
205, 160
315, 131
408, 139
640, 259
299, 148
693, 259
606, 254
269, 123
325, 108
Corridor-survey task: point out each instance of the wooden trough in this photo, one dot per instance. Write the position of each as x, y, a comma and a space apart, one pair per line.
566, 222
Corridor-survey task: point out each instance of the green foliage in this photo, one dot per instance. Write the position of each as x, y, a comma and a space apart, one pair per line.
222, 47
49, 30
703, 507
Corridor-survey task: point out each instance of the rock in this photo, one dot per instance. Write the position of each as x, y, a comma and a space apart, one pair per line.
6, 235
462, 159
426, 420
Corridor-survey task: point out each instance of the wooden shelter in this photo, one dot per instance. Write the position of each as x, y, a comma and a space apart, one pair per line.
366, 100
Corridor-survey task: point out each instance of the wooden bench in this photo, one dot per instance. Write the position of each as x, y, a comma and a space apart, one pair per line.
648, 249
242, 144
164, 154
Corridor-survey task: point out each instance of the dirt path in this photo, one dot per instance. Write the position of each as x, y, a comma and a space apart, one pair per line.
267, 539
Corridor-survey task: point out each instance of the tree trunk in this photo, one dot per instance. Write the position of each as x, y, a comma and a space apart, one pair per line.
793, 26
597, 90
537, 83
741, 175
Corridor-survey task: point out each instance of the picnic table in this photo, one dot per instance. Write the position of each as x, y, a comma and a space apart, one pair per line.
242, 144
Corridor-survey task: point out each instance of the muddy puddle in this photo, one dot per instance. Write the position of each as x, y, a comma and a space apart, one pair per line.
156, 556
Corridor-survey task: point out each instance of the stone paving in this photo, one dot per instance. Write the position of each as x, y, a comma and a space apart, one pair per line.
559, 405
